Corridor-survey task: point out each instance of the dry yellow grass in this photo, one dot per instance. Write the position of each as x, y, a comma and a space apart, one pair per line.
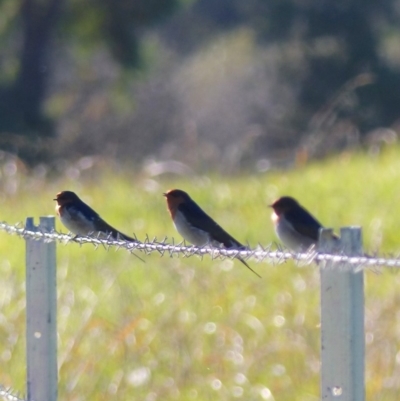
191, 329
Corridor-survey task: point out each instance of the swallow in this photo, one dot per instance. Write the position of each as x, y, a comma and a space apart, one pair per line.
196, 226
81, 219
297, 228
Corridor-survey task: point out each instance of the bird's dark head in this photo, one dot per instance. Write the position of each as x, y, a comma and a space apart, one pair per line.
175, 197
66, 197
284, 204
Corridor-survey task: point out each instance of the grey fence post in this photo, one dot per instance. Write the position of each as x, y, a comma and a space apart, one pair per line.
342, 320
41, 309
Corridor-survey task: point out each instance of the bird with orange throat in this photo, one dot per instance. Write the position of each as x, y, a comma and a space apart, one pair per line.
196, 226
295, 226
81, 219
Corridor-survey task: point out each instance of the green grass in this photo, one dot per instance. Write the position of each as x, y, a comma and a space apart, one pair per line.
191, 329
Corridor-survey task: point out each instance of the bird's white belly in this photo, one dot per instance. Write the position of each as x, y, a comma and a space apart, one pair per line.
77, 223
189, 233
291, 238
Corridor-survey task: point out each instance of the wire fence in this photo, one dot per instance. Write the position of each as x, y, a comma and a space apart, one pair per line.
341, 289
271, 253
7, 394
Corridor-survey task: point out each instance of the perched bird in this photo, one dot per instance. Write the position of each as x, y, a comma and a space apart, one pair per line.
196, 226
294, 225
81, 219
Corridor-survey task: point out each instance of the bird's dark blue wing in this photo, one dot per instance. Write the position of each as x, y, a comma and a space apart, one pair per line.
304, 222
201, 220
85, 209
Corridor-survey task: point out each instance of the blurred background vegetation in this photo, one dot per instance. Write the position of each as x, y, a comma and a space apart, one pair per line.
104, 96
225, 84
182, 329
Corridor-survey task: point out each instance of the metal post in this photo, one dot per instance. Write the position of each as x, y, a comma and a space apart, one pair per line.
41, 308
342, 320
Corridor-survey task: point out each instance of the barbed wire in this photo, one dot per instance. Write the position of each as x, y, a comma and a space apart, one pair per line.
7, 394
260, 254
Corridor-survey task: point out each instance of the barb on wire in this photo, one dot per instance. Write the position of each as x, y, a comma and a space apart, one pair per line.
7, 394
259, 254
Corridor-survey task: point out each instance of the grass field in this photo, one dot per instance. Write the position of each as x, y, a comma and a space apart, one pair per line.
191, 329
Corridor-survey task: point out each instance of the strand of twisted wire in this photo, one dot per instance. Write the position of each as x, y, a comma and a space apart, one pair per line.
8, 395
148, 246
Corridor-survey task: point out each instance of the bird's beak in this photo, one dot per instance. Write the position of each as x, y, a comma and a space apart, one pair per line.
165, 194
55, 199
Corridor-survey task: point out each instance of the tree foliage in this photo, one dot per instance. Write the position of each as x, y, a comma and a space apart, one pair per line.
340, 41
116, 23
